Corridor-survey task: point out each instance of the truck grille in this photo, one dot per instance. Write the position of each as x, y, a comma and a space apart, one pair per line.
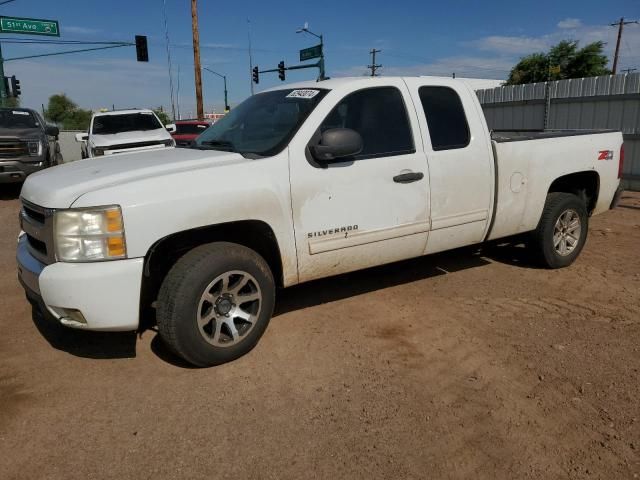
134, 145
13, 149
37, 223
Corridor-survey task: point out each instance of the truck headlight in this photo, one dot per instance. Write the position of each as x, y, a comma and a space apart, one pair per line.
35, 148
89, 234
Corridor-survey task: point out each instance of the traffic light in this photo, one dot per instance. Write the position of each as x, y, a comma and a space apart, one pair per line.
142, 52
281, 70
15, 86
256, 75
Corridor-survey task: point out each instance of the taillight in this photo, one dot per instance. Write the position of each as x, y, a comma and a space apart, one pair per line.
621, 163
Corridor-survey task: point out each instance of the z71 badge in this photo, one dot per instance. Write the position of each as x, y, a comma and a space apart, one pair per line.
605, 155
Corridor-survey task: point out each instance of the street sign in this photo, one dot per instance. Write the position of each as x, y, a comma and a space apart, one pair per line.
29, 26
311, 52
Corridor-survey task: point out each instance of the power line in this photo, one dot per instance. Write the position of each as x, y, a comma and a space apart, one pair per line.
374, 66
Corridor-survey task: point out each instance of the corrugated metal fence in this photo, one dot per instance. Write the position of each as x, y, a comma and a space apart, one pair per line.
610, 101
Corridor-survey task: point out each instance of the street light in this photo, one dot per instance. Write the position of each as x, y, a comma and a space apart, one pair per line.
224, 77
305, 29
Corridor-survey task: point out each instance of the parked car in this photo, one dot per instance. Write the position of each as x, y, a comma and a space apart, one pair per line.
122, 131
187, 131
27, 144
297, 183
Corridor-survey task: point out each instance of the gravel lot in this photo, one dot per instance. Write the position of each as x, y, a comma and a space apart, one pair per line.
469, 364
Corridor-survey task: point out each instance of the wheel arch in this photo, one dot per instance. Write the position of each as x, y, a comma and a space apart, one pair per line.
163, 254
585, 185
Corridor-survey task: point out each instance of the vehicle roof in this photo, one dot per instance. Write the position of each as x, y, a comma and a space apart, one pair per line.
20, 109
123, 112
191, 122
333, 83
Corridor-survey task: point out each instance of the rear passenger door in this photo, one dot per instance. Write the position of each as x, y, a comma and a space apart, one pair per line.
458, 149
368, 209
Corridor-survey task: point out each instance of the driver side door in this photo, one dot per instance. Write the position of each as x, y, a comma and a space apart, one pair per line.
369, 209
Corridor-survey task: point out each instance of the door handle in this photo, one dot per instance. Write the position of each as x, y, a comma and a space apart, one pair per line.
408, 177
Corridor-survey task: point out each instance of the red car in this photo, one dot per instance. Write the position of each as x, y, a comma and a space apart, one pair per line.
188, 130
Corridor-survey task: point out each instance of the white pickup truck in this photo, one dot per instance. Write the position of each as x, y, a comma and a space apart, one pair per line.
124, 131
297, 183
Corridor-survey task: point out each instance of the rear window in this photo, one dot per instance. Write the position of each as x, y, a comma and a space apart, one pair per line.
190, 128
447, 122
127, 122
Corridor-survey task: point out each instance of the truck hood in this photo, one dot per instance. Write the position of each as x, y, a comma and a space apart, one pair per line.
159, 134
60, 186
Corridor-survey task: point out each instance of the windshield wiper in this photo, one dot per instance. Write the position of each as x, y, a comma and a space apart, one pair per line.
219, 145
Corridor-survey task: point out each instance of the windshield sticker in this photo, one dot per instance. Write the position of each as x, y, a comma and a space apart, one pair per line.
303, 93
18, 112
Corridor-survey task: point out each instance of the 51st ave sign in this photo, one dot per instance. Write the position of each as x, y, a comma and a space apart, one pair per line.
29, 26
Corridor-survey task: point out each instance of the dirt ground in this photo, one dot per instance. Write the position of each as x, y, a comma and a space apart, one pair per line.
469, 364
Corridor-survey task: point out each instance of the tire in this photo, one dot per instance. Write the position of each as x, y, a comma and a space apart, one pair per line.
562, 230
211, 291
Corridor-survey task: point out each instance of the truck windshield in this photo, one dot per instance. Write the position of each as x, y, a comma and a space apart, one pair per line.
263, 124
17, 118
126, 122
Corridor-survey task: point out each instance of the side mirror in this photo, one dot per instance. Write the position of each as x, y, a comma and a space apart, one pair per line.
337, 143
171, 127
82, 137
52, 130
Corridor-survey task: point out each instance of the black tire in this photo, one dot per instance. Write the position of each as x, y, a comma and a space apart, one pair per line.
556, 205
180, 302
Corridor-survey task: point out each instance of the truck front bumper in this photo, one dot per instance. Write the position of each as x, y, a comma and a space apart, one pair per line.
92, 296
16, 171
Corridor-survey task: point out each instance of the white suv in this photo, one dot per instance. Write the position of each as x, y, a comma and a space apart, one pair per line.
124, 131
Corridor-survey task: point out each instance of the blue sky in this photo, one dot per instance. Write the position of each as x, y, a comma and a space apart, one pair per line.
471, 38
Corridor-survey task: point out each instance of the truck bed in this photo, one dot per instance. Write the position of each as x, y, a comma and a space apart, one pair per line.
502, 136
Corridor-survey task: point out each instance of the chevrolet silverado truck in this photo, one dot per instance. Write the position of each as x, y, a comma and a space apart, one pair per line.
27, 144
297, 183
122, 131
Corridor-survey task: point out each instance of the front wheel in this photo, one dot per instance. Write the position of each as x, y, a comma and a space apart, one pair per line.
215, 303
562, 230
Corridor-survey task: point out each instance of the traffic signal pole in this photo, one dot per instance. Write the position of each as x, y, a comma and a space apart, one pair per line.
3, 87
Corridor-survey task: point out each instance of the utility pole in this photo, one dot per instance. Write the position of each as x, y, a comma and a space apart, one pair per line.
374, 66
620, 24
196, 58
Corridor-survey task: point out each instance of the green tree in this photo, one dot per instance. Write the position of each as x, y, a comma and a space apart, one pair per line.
59, 107
64, 111
562, 61
162, 115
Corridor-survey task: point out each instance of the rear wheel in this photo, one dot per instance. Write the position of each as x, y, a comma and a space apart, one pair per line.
215, 303
562, 230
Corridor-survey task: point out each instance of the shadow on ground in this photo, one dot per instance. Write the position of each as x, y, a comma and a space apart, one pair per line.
97, 345
103, 345
10, 191
365, 281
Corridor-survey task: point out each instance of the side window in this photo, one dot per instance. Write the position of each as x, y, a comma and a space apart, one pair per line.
379, 116
447, 122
